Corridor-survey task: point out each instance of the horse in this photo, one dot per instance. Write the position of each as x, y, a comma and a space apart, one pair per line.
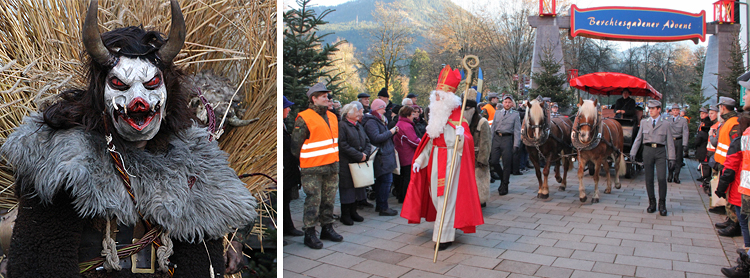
537, 127
599, 141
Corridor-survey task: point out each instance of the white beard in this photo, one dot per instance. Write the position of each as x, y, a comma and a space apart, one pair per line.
440, 111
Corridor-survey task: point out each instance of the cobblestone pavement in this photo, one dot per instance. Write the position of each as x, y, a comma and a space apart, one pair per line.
525, 236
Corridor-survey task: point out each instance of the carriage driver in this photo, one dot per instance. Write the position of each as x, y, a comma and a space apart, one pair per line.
679, 127
625, 106
655, 135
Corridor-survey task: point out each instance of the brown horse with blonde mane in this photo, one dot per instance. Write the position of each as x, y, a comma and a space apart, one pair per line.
600, 141
538, 127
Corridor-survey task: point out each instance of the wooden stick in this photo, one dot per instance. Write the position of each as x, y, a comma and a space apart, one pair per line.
468, 67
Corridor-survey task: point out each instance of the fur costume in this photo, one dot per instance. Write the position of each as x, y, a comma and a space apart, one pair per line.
122, 160
482, 144
69, 174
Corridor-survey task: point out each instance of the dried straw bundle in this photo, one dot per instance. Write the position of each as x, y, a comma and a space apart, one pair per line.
41, 50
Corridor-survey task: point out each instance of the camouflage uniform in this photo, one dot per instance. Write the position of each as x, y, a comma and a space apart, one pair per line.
319, 183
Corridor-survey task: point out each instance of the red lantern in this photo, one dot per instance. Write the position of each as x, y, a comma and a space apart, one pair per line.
547, 7
572, 73
724, 11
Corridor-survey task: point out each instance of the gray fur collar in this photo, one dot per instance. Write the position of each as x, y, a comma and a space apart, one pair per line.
77, 161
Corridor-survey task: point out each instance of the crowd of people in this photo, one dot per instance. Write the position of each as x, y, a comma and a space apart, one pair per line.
408, 139
327, 137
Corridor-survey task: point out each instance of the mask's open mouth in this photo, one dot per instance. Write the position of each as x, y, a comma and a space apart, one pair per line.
138, 113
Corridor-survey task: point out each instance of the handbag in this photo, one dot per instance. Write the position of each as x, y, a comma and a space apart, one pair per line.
363, 173
397, 171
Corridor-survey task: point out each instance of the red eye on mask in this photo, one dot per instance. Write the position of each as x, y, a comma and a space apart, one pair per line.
117, 82
151, 84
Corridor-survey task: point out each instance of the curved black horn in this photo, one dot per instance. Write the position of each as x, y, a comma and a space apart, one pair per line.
91, 38
176, 35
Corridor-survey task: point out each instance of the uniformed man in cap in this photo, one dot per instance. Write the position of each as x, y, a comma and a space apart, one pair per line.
656, 139
314, 142
364, 98
506, 130
727, 131
679, 127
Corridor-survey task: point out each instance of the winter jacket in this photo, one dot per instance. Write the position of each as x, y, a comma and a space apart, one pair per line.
730, 178
380, 137
701, 140
405, 141
353, 142
291, 164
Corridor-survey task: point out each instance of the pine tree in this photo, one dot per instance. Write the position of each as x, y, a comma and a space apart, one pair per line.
736, 67
550, 81
305, 56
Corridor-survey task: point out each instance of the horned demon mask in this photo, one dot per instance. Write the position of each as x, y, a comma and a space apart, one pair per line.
135, 94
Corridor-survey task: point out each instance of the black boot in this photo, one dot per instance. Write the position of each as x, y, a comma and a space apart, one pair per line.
731, 230
494, 173
662, 207
651, 205
669, 177
503, 189
445, 245
354, 215
311, 239
742, 269
722, 225
718, 210
346, 215
676, 179
328, 233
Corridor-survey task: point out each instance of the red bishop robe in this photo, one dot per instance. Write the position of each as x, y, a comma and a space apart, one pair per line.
418, 205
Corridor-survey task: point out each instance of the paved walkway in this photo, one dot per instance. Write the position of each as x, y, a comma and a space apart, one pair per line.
525, 236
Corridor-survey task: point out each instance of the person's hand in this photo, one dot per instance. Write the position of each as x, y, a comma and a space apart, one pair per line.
394, 130
415, 167
460, 132
364, 157
233, 257
720, 194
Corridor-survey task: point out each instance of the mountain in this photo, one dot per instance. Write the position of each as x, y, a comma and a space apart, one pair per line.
353, 20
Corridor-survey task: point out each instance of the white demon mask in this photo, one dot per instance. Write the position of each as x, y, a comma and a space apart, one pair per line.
135, 97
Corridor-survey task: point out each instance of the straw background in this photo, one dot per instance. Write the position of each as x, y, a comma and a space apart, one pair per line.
41, 50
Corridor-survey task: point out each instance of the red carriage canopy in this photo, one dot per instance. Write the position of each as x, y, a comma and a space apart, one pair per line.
613, 83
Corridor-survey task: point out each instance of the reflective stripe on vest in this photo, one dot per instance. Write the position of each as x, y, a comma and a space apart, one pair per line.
490, 113
710, 147
744, 187
724, 140
322, 148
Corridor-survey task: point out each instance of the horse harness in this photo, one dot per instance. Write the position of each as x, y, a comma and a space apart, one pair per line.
536, 142
596, 128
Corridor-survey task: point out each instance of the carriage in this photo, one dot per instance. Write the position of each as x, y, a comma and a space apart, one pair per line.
612, 83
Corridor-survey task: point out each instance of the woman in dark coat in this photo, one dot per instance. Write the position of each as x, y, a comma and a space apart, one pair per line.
354, 146
291, 176
385, 161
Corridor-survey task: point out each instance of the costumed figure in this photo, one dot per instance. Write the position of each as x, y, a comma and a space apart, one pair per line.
117, 180
431, 166
480, 130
